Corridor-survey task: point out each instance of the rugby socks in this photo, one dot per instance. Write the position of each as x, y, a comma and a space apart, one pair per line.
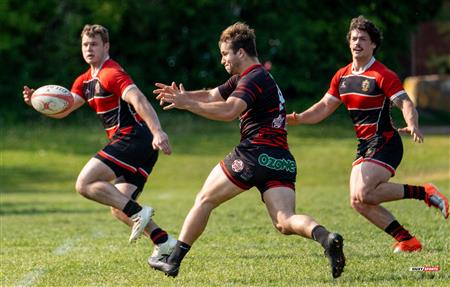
414, 191
158, 236
320, 234
397, 231
131, 208
178, 253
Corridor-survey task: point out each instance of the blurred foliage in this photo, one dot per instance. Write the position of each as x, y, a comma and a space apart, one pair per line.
157, 40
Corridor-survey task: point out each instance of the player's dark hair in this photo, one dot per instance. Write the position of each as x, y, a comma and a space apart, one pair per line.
361, 23
96, 29
240, 35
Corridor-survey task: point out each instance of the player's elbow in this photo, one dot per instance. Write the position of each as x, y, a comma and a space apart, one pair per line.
229, 116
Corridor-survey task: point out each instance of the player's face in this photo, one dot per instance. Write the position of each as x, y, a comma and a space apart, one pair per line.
94, 50
230, 60
360, 45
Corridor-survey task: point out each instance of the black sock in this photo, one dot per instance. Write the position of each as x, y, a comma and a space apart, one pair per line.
320, 234
397, 231
178, 253
132, 207
413, 191
158, 236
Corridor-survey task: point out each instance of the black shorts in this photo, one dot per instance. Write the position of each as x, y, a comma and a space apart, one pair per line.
130, 155
385, 150
265, 167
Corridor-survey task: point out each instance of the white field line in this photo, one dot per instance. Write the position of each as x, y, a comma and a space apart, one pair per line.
34, 275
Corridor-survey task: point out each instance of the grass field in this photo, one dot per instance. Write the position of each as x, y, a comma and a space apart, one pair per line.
51, 236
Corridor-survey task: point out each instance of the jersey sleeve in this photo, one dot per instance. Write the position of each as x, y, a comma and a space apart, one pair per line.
116, 81
333, 90
228, 87
391, 85
77, 87
246, 90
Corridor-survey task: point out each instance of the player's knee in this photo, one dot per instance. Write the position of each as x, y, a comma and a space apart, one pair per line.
357, 205
206, 201
80, 187
283, 226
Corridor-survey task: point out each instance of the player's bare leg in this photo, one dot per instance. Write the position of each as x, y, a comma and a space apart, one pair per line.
368, 188
94, 182
280, 203
216, 190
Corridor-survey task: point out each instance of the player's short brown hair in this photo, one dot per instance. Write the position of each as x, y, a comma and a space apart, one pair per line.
361, 23
96, 29
240, 35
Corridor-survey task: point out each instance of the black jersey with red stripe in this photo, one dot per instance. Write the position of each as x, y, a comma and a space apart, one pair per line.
264, 120
103, 90
367, 96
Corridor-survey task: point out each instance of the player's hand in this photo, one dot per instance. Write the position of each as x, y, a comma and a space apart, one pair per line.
161, 142
292, 119
27, 92
161, 90
175, 97
414, 132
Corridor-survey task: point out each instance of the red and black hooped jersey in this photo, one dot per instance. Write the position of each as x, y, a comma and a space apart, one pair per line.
264, 120
103, 91
367, 96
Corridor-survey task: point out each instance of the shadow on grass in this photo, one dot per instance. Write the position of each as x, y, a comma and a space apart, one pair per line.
11, 209
17, 179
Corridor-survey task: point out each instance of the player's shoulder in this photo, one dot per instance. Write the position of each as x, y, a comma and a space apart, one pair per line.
345, 70
382, 70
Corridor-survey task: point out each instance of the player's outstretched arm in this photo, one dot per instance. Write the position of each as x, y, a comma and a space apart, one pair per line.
204, 96
219, 110
411, 116
316, 113
77, 102
142, 106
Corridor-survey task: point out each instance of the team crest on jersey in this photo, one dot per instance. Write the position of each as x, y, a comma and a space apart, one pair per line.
365, 85
237, 165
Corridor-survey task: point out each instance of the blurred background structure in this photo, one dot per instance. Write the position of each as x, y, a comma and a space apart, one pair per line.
303, 42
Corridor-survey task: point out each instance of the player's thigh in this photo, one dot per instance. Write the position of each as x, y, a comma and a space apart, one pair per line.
218, 188
95, 170
280, 202
366, 176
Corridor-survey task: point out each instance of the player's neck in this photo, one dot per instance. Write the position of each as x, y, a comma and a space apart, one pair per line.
248, 63
97, 66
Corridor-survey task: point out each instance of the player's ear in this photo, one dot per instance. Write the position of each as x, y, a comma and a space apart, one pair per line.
106, 47
241, 52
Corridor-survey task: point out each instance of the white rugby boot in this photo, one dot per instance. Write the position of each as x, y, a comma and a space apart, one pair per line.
140, 221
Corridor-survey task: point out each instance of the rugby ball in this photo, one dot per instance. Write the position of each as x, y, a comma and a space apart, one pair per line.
51, 99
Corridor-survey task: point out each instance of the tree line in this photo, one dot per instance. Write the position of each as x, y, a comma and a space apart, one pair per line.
160, 41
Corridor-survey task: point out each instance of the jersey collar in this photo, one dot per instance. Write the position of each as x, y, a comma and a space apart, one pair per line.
366, 67
254, 66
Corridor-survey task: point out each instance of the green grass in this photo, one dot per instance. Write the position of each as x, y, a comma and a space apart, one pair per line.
51, 236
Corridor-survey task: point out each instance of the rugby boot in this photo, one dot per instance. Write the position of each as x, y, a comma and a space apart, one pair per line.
163, 249
170, 269
140, 221
436, 199
410, 245
335, 254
